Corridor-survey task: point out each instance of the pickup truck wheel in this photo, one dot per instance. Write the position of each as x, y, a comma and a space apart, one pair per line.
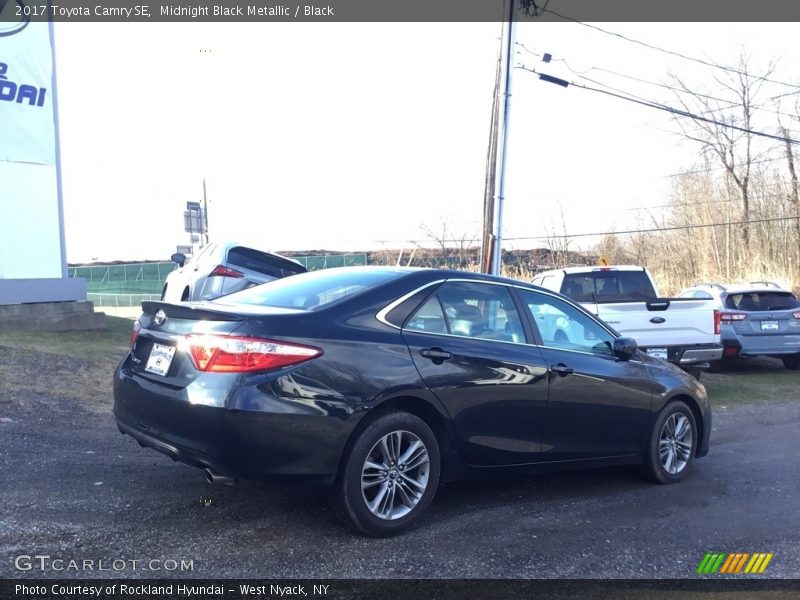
673, 442
792, 362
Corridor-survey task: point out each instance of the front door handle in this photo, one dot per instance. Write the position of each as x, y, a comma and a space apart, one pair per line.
437, 355
561, 369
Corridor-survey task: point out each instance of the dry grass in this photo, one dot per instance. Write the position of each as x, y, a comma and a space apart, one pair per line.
77, 365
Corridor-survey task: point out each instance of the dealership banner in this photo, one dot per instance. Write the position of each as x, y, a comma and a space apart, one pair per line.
27, 130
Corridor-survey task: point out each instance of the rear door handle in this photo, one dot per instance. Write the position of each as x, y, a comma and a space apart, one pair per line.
437, 355
561, 369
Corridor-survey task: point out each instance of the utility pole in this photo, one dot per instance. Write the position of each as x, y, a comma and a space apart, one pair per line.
507, 69
487, 239
205, 211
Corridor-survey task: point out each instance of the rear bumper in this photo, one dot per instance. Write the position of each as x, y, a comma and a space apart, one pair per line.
686, 355
762, 345
278, 437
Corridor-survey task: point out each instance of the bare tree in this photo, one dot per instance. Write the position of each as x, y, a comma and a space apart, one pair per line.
727, 132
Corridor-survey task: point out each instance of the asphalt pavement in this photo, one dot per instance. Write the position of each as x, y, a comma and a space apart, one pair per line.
72, 487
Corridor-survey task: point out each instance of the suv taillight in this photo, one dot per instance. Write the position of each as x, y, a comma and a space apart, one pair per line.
224, 354
135, 332
716, 322
224, 271
732, 316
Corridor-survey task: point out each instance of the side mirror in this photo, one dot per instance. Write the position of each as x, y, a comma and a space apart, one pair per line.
178, 258
625, 348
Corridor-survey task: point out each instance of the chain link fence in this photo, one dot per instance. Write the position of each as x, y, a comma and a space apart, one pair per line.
130, 284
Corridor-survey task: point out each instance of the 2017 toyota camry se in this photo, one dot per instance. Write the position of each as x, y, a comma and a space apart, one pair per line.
384, 382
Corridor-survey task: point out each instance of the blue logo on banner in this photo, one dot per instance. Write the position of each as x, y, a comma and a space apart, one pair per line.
13, 92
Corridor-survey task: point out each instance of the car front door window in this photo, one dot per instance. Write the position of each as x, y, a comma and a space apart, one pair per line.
564, 326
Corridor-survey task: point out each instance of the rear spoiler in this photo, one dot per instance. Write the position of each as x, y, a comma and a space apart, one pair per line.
190, 311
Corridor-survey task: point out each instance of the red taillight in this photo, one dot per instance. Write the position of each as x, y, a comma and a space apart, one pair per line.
732, 316
716, 322
135, 332
224, 271
223, 354
730, 351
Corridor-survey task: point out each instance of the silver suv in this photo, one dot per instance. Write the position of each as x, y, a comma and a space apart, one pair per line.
756, 319
220, 269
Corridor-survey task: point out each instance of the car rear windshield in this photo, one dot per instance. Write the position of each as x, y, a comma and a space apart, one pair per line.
761, 301
312, 290
608, 286
262, 262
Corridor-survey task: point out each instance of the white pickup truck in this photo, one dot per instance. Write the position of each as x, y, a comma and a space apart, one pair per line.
684, 331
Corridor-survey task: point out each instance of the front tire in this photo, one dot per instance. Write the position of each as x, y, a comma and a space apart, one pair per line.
672, 445
389, 475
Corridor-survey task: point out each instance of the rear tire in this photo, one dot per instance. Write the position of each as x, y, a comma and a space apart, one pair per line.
388, 476
672, 445
792, 362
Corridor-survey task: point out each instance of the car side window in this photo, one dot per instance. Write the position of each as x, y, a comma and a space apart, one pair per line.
428, 318
475, 310
702, 295
564, 326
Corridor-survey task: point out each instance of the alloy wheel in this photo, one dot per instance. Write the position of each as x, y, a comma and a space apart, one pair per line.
395, 474
675, 443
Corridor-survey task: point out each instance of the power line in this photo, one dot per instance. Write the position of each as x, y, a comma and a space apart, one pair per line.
653, 230
672, 52
656, 105
472, 242
678, 90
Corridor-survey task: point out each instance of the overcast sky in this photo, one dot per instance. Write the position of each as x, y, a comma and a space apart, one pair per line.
353, 136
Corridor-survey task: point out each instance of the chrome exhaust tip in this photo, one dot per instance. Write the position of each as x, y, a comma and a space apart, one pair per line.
216, 479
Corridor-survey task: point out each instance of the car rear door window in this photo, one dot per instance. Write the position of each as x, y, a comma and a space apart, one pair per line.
476, 310
429, 318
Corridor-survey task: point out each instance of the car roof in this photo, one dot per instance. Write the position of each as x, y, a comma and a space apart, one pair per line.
592, 269
429, 274
739, 288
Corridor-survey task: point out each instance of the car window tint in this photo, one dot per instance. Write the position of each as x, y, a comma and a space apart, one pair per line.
562, 325
480, 310
755, 301
261, 262
314, 289
607, 286
429, 317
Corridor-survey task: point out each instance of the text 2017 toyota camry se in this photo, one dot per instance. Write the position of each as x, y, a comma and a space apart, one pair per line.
384, 382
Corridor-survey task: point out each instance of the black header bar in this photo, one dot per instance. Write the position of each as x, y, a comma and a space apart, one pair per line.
541, 11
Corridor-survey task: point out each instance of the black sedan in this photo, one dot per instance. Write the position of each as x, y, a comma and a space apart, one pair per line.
383, 382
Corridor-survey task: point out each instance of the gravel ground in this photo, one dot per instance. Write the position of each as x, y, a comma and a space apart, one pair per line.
72, 487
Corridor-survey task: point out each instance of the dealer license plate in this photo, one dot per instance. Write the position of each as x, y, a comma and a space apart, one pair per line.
658, 352
160, 359
770, 326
